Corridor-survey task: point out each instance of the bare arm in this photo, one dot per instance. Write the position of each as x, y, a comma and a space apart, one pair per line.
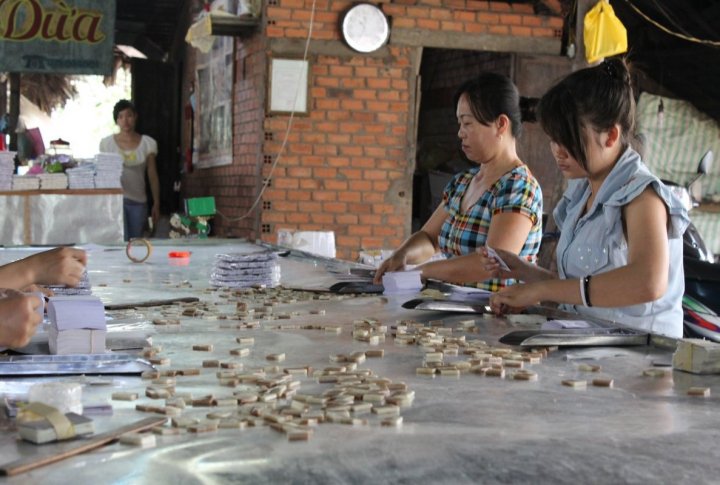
59, 266
154, 186
417, 248
508, 231
642, 280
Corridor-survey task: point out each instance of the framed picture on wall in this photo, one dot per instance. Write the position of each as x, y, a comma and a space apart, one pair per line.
288, 86
213, 130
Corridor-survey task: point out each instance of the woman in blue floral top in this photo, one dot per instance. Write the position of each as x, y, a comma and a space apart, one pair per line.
497, 204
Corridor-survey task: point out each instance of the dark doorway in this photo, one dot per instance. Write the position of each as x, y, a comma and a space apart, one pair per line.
439, 156
156, 94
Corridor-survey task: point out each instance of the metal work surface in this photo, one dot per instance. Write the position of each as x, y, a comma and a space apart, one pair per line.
467, 429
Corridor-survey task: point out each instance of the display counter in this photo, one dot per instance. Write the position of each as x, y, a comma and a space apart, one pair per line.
55, 217
458, 429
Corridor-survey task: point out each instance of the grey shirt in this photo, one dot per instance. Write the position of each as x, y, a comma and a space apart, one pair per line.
134, 165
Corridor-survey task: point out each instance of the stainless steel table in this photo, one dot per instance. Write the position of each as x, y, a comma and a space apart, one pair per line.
470, 429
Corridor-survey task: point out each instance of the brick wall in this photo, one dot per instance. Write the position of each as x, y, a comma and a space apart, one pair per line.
348, 164
235, 186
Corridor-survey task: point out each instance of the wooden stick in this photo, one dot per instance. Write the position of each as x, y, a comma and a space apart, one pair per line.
26, 464
127, 306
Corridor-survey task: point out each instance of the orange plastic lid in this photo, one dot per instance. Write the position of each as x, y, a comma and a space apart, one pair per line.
179, 254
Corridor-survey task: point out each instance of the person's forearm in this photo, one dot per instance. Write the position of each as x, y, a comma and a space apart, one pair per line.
532, 273
624, 286
418, 248
17, 275
155, 188
460, 269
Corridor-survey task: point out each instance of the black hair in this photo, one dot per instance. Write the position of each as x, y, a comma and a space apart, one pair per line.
122, 105
597, 97
491, 95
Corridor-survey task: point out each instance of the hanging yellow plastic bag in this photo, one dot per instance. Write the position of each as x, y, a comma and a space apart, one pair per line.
605, 35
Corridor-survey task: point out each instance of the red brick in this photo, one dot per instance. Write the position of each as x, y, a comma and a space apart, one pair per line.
352, 82
402, 23
500, 6
366, 72
270, 216
373, 197
498, 29
297, 218
338, 161
347, 219
327, 103
384, 209
338, 139
488, 18
311, 207
299, 172
371, 219
521, 31
298, 195
284, 206
275, 13
352, 104
429, 24
475, 28
347, 196
511, 19
361, 185
335, 207
543, 32
384, 231
531, 20
373, 243
324, 195
359, 208
523, 8
338, 185
440, 14
347, 241
322, 218
376, 152
284, 183
309, 184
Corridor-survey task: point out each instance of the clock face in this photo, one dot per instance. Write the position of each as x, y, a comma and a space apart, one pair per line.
365, 28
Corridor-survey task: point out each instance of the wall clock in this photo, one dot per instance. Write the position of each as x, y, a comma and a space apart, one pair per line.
365, 28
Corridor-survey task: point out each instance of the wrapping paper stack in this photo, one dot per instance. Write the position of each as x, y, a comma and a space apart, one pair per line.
82, 177
245, 270
83, 288
53, 180
108, 169
77, 325
7, 167
25, 182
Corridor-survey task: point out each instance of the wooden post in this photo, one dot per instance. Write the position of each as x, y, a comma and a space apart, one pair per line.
14, 109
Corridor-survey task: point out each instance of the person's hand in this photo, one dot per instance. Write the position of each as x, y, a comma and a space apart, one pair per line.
36, 288
19, 317
59, 266
519, 267
396, 262
515, 297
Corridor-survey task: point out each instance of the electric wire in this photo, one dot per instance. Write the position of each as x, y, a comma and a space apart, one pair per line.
281, 151
689, 38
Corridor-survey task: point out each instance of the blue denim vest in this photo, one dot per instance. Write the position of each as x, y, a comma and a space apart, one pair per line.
595, 243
